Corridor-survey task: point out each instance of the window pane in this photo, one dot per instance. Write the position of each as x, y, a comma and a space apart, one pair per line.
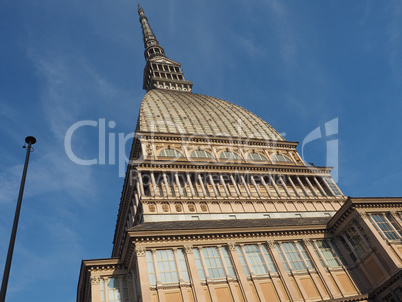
267, 256
198, 263
293, 256
170, 153
150, 267
228, 262
385, 226
242, 261
114, 290
329, 254
285, 264
183, 264
256, 157
229, 155
213, 262
166, 266
200, 154
357, 242
280, 158
255, 260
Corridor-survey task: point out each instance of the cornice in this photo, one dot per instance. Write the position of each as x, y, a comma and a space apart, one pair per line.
361, 205
185, 138
226, 234
152, 165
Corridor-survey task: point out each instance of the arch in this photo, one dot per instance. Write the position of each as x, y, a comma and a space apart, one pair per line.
200, 154
281, 158
256, 157
229, 155
170, 153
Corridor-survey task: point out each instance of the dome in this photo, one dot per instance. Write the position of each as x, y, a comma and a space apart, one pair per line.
176, 112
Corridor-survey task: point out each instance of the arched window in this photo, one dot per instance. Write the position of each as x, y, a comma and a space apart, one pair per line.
170, 153
281, 158
229, 155
201, 154
256, 157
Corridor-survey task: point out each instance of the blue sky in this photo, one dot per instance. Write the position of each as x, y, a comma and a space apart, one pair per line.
296, 64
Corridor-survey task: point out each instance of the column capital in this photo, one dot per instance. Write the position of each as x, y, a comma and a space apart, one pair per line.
95, 280
361, 216
140, 251
232, 245
271, 244
188, 248
307, 241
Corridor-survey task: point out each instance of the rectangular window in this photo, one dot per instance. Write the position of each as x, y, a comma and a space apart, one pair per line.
198, 263
327, 252
255, 260
213, 262
356, 241
242, 261
114, 290
228, 262
304, 255
166, 266
329, 181
150, 268
183, 265
382, 222
293, 256
285, 264
102, 288
267, 256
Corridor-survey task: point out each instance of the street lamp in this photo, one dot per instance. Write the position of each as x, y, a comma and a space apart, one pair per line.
30, 140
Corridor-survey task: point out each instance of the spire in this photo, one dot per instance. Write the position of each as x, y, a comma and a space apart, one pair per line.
152, 47
160, 72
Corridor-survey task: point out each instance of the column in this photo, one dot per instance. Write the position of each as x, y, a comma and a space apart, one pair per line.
159, 287
95, 288
180, 275
224, 185
276, 286
275, 186
284, 186
207, 278
256, 284
195, 279
235, 185
293, 186
245, 185
265, 186
256, 186
228, 277
190, 184
202, 185
286, 280
143, 274
213, 185
176, 177
243, 282
168, 193
141, 184
320, 187
311, 186
329, 286
302, 186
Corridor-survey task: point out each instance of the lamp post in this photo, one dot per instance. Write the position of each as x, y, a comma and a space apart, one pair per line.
30, 140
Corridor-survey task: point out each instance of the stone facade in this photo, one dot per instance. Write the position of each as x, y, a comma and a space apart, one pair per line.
218, 206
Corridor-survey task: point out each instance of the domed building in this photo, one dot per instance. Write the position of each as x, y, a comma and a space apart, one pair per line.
218, 206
